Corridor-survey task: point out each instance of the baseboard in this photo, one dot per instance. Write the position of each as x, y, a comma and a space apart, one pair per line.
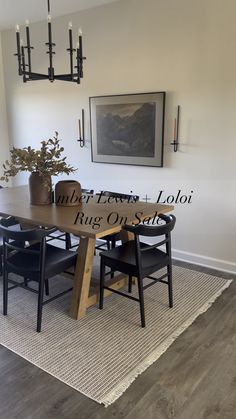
201, 260
219, 264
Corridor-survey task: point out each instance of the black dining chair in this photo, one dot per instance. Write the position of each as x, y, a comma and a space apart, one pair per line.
110, 241
138, 259
66, 237
38, 262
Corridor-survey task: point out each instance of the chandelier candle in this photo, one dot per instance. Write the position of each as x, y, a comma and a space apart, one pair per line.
22, 58
28, 44
24, 66
80, 136
80, 52
50, 45
78, 62
70, 49
18, 49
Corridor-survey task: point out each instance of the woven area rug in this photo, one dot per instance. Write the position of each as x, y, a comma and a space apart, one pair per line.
102, 354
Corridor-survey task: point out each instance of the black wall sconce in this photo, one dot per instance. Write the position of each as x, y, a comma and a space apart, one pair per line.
175, 142
81, 139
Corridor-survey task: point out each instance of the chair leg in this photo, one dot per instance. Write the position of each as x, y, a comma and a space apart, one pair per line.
40, 304
68, 241
102, 277
112, 244
170, 287
141, 301
130, 284
46, 287
5, 292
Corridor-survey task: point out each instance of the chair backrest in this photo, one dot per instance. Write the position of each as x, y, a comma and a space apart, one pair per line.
7, 222
89, 191
15, 240
34, 234
152, 231
133, 198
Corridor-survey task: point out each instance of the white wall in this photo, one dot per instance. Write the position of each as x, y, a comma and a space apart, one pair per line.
4, 143
184, 48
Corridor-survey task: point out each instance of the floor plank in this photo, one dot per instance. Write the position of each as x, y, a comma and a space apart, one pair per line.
194, 379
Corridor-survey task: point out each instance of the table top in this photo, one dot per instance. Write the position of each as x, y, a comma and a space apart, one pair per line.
92, 218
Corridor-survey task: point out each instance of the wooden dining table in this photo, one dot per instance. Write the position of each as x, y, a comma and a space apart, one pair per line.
94, 217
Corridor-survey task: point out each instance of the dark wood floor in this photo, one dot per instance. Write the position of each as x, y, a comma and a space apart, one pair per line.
194, 379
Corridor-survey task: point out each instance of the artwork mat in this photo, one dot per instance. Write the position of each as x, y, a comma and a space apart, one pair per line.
137, 98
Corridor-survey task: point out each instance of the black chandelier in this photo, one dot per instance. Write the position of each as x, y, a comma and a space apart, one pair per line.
24, 60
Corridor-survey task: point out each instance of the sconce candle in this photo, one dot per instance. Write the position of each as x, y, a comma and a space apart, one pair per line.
80, 136
175, 141
175, 129
83, 124
81, 139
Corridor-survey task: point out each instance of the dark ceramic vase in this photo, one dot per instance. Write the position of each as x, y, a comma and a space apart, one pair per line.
67, 193
40, 188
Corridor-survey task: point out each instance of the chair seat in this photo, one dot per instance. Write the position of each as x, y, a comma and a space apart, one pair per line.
57, 260
122, 258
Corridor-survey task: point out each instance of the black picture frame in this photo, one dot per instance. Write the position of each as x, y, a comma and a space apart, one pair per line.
128, 129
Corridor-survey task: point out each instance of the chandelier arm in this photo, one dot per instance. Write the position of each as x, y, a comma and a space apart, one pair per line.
18, 52
65, 77
35, 76
80, 69
78, 66
71, 51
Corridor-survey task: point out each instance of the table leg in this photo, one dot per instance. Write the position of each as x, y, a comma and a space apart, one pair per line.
126, 235
82, 277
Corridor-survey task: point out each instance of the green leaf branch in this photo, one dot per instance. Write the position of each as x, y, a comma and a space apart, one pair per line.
47, 161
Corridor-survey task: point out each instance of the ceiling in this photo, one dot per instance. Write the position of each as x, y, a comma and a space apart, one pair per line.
17, 11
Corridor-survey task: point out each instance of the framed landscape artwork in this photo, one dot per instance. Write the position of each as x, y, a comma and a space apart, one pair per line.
128, 129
